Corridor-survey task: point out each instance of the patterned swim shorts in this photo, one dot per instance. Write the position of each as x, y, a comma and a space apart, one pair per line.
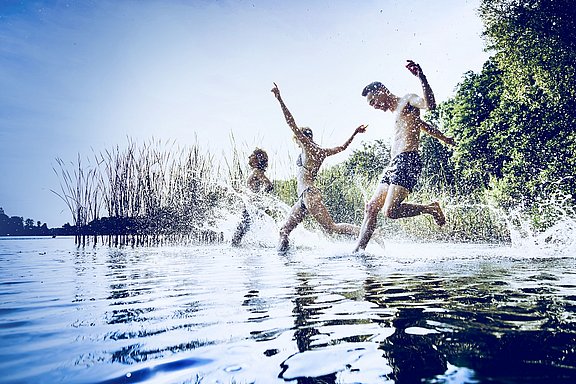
404, 170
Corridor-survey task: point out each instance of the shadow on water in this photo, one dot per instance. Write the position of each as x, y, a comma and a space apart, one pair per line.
305, 311
492, 324
499, 332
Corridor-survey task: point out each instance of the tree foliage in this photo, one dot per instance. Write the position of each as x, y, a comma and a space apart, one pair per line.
369, 161
468, 117
515, 120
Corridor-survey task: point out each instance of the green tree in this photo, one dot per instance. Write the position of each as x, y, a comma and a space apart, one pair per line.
514, 121
369, 161
15, 225
535, 42
535, 50
477, 157
341, 194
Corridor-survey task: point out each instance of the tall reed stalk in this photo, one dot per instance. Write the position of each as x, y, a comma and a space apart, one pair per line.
78, 190
150, 189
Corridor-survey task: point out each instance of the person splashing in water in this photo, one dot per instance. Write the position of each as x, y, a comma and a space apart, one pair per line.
309, 197
402, 174
257, 182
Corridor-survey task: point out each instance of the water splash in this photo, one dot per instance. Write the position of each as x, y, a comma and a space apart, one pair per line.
551, 227
266, 214
559, 238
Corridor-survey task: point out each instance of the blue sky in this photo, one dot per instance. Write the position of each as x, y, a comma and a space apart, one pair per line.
84, 76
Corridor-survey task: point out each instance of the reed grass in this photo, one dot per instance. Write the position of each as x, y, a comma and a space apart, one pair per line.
466, 221
165, 191
79, 192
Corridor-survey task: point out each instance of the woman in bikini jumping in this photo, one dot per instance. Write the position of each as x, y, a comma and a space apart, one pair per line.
309, 197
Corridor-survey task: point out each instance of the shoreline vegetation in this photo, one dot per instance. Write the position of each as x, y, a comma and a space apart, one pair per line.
512, 171
152, 193
143, 187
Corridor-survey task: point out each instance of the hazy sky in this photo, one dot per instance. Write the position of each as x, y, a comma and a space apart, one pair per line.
84, 76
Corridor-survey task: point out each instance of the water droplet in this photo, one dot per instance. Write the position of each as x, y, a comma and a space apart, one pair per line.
233, 368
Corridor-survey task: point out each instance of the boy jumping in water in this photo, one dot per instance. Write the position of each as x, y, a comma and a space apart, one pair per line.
402, 174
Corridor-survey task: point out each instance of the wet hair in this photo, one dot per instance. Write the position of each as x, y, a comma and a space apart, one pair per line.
261, 159
373, 87
307, 132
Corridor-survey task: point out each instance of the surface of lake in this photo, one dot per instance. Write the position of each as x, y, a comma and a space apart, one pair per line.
413, 312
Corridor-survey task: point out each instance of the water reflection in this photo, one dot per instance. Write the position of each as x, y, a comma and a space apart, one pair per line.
215, 314
305, 311
480, 322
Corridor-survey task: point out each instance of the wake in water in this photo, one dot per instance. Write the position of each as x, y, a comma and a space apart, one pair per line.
517, 226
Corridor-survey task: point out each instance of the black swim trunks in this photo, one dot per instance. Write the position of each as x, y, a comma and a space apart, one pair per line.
404, 170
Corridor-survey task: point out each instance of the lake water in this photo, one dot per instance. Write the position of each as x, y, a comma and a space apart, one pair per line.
413, 312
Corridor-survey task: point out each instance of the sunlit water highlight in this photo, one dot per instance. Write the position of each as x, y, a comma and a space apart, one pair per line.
433, 312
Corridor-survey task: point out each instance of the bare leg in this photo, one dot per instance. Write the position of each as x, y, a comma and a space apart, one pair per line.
437, 213
370, 216
297, 214
395, 208
313, 200
242, 228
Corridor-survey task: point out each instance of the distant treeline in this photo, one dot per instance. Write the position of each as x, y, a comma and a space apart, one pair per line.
131, 229
17, 226
142, 230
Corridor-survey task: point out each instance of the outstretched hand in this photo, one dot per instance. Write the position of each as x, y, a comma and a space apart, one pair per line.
361, 129
414, 68
276, 91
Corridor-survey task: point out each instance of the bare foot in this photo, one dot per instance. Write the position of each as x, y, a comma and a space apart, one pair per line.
437, 214
283, 245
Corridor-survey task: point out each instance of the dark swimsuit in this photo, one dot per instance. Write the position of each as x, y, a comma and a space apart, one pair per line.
404, 170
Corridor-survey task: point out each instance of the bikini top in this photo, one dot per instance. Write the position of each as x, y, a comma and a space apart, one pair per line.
300, 163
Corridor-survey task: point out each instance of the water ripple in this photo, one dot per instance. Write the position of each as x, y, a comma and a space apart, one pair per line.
318, 315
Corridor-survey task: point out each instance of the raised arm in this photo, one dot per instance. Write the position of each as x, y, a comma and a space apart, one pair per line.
415, 69
288, 116
335, 150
